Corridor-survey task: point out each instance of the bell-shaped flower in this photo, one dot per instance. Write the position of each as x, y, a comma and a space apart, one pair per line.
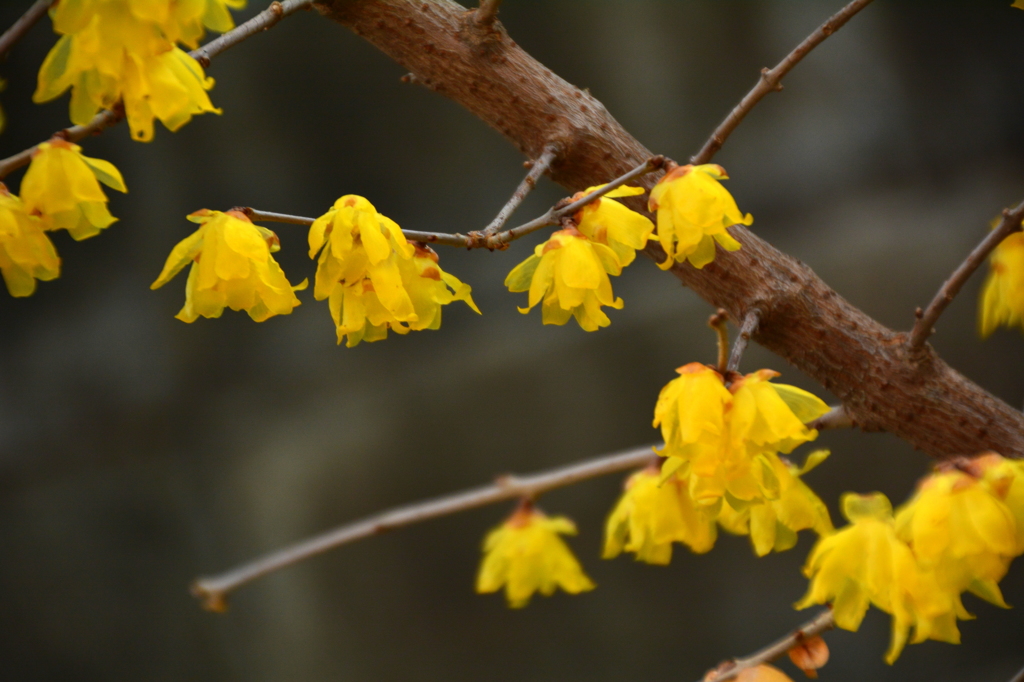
1002, 296
769, 417
26, 253
232, 267
526, 555
63, 187
691, 410
568, 274
651, 515
186, 22
694, 212
608, 222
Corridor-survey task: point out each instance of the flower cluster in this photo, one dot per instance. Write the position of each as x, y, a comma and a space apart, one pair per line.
26, 253
1002, 296
568, 274
124, 50
957, 534
374, 279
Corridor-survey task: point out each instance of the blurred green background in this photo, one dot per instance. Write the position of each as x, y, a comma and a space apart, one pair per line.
137, 452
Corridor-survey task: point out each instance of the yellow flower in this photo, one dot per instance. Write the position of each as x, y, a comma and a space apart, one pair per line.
63, 187
231, 267
26, 253
612, 224
569, 273
185, 21
525, 555
650, 516
694, 211
1002, 296
108, 53
430, 287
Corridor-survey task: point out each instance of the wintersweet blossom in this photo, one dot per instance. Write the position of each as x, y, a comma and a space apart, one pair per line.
26, 253
568, 274
1002, 296
186, 22
526, 555
63, 186
613, 224
651, 515
694, 210
232, 267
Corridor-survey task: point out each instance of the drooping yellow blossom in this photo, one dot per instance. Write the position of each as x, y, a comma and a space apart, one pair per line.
650, 516
694, 210
186, 21
773, 524
110, 51
525, 555
26, 253
1005, 478
429, 288
63, 187
1002, 296
962, 531
232, 267
612, 224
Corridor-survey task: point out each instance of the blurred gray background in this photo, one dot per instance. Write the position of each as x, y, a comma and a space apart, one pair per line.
137, 452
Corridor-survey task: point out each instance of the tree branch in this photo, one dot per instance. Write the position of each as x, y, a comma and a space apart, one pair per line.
23, 25
924, 327
213, 590
836, 418
537, 169
719, 322
1019, 677
771, 80
487, 12
823, 622
105, 119
747, 329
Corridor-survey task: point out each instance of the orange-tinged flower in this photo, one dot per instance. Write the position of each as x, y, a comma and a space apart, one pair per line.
26, 253
809, 655
232, 267
694, 212
763, 673
613, 224
63, 187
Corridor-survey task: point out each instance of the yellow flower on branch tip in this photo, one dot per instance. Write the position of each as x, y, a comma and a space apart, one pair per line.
232, 267
186, 22
526, 555
26, 253
651, 515
63, 187
694, 210
614, 225
1002, 296
568, 275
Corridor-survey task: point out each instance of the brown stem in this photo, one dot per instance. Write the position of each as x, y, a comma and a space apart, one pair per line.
770, 80
22, 26
823, 622
487, 12
747, 329
924, 327
719, 321
213, 590
537, 169
836, 418
1019, 677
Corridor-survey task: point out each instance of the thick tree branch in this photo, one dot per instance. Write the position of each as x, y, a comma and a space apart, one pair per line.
823, 622
771, 80
105, 119
924, 327
214, 590
23, 25
537, 169
867, 366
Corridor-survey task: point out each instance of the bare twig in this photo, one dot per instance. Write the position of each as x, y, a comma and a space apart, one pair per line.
924, 327
487, 12
771, 80
1019, 677
729, 670
23, 25
105, 119
214, 590
836, 418
747, 329
537, 169
719, 321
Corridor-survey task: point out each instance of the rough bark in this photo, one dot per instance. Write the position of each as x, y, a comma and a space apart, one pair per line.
883, 385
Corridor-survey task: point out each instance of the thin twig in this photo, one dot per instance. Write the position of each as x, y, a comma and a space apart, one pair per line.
924, 327
1019, 677
771, 80
105, 119
23, 25
214, 590
487, 12
719, 321
537, 169
812, 628
747, 329
836, 418
478, 240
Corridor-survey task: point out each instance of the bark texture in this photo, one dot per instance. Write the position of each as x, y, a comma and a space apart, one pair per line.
883, 385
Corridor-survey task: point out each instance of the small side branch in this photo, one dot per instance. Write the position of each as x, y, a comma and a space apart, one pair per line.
771, 80
719, 321
22, 26
1019, 677
836, 418
749, 327
537, 169
213, 590
823, 622
487, 12
924, 327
